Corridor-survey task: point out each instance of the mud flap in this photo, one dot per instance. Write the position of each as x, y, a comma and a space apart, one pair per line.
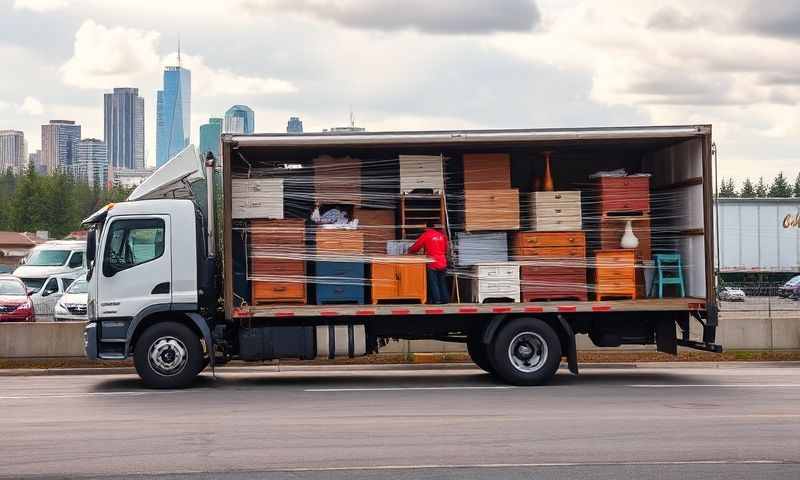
571, 353
666, 340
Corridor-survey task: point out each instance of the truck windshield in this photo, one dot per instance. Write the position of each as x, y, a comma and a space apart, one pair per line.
48, 258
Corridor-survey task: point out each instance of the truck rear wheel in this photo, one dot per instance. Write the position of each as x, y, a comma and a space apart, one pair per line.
168, 355
478, 352
525, 351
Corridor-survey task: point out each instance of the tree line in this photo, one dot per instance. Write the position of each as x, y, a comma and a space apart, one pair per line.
56, 203
780, 187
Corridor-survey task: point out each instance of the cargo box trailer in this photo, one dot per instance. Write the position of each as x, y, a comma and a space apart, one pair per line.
305, 251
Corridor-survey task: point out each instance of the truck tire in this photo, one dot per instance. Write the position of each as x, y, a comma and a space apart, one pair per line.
168, 355
525, 352
478, 353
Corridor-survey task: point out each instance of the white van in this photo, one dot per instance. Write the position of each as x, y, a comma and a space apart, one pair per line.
51, 258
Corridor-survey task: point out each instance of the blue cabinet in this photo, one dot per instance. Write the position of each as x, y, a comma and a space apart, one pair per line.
340, 282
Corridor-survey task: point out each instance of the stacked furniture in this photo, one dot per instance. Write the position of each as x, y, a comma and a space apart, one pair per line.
257, 198
398, 279
417, 209
615, 274
340, 270
421, 172
495, 281
553, 265
277, 267
489, 201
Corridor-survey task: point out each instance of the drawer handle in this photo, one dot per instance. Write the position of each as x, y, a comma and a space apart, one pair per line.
557, 196
572, 239
558, 210
279, 289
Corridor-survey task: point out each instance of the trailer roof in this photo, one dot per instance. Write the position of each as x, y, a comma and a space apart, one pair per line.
467, 136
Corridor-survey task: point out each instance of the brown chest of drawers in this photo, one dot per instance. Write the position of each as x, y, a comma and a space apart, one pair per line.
491, 210
337, 180
277, 268
624, 195
553, 265
487, 171
378, 226
332, 241
398, 278
615, 274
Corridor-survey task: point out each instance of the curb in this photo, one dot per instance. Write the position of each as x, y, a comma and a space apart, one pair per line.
37, 372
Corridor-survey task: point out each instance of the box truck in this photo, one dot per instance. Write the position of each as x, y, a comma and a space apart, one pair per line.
302, 252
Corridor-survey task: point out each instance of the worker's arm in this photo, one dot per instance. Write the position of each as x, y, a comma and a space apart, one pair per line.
419, 243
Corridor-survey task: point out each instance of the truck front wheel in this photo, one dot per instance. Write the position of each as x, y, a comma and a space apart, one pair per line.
168, 355
525, 351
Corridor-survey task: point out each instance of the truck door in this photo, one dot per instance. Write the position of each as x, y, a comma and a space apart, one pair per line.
135, 269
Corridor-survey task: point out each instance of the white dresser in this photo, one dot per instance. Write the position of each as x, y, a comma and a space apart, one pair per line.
421, 172
496, 281
257, 198
554, 211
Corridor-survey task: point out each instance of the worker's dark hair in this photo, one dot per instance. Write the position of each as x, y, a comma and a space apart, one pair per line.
430, 224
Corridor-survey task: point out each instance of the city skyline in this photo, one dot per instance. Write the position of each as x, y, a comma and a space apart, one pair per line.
209, 137
92, 165
239, 119
60, 145
13, 152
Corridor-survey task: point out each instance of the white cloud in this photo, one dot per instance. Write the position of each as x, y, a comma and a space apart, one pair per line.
105, 57
209, 81
31, 106
40, 6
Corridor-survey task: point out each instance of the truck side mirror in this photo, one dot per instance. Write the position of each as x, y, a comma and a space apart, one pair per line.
91, 246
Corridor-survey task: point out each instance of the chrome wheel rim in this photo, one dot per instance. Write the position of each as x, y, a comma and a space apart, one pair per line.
168, 356
527, 352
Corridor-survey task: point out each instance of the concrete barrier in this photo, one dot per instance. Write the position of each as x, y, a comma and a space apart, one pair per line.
65, 339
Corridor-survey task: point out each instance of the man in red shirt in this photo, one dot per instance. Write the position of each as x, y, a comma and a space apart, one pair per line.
434, 243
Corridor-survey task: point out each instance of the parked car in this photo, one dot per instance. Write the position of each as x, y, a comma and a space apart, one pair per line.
15, 303
732, 294
45, 299
72, 306
790, 289
5, 269
51, 258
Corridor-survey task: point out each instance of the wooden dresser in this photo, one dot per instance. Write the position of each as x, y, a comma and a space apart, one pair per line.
337, 180
495, 281
474, 248
623, 195
487, 171
612, 228
553, 265
491, 210
421, 172
378, 227
257, 198
277, 268
554, 211
615, 274
339, 241
398, 279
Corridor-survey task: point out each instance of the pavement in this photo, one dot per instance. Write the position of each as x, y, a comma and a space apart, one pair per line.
677, 421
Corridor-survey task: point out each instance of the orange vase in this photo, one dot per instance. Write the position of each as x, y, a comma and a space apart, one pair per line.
547, 183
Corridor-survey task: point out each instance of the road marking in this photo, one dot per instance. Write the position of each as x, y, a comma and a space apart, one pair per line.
77, 395
720, 385
400, 389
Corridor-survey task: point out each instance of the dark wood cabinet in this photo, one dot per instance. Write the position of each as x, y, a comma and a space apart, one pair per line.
277, 267
553, 265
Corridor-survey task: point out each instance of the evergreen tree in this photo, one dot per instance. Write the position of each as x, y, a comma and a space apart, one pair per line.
797, 186
748, 190
727, 189
24, 206
780, 187
761, 188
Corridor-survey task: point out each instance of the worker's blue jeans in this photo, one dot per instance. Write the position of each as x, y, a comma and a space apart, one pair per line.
437, 286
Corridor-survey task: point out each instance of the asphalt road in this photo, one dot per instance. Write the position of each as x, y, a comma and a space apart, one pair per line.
728, 422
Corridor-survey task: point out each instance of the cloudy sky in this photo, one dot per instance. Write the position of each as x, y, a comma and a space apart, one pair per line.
422, 64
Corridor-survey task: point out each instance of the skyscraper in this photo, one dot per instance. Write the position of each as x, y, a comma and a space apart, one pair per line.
35, 159
12, 151
124, 128
60, 145
295, 125
209, 137
91, 165
173, 105
239, 119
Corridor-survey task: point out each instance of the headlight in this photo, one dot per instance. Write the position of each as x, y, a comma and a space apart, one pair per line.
60, 309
